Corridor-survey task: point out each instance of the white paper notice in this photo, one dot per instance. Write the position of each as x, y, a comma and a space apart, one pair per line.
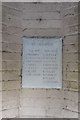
42, 63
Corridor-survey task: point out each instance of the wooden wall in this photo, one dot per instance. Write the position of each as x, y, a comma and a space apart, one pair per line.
11, 58
39, 19
0, 61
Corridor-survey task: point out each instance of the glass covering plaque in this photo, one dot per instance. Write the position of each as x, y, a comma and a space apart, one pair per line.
42, 63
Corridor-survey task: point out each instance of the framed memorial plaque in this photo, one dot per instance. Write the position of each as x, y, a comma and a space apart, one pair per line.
42, 63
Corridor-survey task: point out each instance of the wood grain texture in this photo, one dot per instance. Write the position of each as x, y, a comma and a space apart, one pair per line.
41, 20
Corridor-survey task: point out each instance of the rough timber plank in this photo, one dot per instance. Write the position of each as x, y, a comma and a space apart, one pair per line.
42, 24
